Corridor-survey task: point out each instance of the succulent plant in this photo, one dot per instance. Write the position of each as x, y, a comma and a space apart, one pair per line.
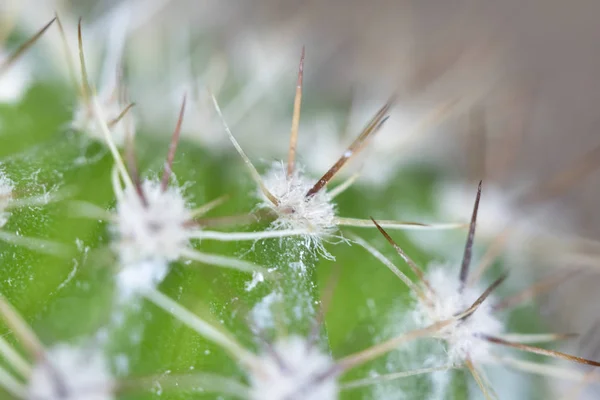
155, 268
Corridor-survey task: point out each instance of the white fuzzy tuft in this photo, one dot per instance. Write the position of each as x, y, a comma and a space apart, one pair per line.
460, 336
141, 276
294, 211
151, 235
6, 193
153, 231
84, 120
69, 373
296, 373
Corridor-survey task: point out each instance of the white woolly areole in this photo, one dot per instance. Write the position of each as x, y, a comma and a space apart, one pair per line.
315, 214
461, 336
149, 236
70, 373
6, 193
85, 121
15, 81
296, 373
141, 276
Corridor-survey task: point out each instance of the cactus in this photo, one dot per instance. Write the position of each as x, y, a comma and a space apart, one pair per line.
140, 267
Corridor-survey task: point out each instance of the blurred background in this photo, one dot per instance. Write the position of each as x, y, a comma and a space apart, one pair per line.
504, 91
